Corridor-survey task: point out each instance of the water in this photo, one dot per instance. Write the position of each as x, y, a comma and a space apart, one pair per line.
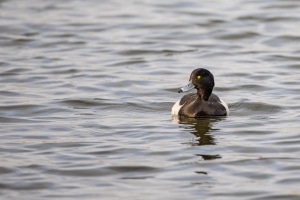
87, 89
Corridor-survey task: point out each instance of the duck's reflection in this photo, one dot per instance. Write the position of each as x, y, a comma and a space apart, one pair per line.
201, 128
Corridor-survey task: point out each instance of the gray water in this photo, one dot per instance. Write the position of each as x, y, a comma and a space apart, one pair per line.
87, 89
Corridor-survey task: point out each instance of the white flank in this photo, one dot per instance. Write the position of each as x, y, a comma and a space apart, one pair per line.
225, 105
176, 108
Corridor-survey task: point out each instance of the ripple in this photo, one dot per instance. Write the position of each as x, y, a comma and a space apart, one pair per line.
82, 102
280, 58
243, 108
143, 52
13, 72
5, 170
237, 36
9, 93
32, 185
89, 172
17, 120
102, 171
129, 62
283, 40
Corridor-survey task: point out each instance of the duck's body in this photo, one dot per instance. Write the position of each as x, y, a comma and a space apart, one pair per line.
203, 103
192, 106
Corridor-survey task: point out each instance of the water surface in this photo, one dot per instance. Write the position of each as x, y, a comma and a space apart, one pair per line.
87, 88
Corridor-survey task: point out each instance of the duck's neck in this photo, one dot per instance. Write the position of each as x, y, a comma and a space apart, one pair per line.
204, 94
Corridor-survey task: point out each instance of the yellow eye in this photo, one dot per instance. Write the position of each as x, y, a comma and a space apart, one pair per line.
198, 77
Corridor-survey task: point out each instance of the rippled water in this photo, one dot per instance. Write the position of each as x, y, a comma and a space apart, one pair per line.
87, 88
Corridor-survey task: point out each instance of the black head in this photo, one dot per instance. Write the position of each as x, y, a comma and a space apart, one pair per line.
203, 81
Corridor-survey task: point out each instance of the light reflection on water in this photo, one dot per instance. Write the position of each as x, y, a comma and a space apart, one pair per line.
87, 89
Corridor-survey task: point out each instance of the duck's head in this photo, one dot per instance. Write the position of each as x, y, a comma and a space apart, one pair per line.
202, 80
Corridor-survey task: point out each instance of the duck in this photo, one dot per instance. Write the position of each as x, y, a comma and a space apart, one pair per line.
204, 103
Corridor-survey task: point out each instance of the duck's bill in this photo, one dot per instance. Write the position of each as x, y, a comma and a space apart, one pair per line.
186, 88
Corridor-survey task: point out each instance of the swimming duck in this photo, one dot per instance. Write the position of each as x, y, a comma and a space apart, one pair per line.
204, 103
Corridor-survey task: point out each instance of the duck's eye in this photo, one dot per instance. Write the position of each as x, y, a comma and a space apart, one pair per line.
198, 77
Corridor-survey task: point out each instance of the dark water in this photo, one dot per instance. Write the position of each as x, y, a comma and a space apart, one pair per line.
87, 88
